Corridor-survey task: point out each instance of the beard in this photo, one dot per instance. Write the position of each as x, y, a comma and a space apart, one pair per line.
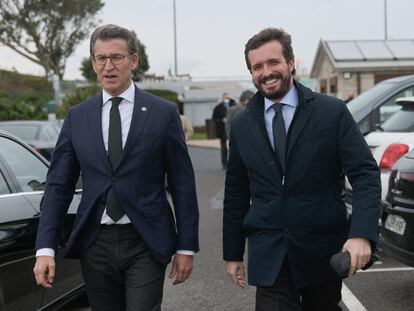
279, 92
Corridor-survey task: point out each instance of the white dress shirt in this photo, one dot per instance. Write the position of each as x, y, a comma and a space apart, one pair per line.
126, 108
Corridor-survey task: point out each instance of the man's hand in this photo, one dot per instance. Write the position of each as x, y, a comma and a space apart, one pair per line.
44, 271
181, 267
360, 250
235, 269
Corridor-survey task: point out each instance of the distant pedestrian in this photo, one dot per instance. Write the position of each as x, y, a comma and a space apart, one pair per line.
239, 107
219, 117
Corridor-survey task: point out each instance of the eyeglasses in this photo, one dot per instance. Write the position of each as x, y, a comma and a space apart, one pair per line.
116, 59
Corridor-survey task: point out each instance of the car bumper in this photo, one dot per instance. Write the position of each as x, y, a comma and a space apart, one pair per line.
399, 246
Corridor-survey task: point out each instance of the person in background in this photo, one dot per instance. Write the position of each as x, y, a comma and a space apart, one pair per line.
244, 99
187, 127
219, 117
284, 182
125, 141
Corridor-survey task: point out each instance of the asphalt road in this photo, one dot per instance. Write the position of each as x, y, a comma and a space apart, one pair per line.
387, 286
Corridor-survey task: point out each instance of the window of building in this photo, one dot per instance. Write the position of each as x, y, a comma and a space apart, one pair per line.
323, 86
333, 85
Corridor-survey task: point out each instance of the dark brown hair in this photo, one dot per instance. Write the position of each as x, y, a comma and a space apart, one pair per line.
267, 35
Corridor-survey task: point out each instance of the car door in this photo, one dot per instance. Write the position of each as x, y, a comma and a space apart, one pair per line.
28, 174
18, 227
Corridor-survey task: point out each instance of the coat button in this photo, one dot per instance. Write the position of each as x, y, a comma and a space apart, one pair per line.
272, 163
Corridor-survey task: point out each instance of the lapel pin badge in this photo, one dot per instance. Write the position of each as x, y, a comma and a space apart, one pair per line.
144, 109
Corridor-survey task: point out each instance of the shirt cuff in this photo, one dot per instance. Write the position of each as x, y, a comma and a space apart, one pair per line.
45, 252
184, 252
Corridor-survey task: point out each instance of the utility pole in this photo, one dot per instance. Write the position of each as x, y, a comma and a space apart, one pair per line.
175, 42
385, 20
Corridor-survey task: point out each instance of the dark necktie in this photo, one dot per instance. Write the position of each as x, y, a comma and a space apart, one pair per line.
279, 134
114, 152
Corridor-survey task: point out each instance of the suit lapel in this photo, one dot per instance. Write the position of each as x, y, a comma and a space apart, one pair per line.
96, 130
140, 114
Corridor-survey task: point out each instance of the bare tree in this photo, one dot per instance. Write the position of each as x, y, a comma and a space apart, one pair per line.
47, 31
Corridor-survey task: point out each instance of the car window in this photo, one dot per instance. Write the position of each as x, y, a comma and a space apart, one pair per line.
24, 132
51, 133
4, 188
29, 171
365, 125
390, 107
365, 98
401, 121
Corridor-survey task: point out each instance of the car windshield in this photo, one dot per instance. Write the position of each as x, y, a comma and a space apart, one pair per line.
401, 121
366, 97
24, 132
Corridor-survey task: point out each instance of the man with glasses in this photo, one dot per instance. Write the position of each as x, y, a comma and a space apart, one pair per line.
125, 141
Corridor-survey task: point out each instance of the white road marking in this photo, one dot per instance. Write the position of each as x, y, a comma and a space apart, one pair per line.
217, 201
388, 269
350, 301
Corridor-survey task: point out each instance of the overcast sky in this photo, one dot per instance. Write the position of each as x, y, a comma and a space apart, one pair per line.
211, 34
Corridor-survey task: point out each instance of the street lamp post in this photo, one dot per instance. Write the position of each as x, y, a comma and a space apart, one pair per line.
385, 20
175, 42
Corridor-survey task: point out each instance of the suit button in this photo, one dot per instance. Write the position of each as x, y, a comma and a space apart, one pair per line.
272, 163
287, 230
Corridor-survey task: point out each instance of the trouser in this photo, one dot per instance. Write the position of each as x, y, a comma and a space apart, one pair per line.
284, 297
120, 273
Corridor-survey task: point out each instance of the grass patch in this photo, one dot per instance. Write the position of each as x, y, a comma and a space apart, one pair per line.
199, 136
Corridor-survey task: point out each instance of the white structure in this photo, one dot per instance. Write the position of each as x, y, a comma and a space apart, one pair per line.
200, 97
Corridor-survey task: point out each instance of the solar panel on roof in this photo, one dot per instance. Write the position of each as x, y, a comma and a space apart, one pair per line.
345, 50
375, 50
402, 48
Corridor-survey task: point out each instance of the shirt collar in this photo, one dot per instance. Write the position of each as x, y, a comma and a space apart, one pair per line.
290, 99
128, 94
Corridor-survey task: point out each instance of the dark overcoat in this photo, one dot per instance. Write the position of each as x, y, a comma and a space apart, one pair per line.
300, 214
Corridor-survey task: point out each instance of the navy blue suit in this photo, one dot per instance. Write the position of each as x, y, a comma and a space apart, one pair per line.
155, 147
300, 215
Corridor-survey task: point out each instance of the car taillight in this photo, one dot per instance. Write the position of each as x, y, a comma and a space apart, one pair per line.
35, 148
391, 155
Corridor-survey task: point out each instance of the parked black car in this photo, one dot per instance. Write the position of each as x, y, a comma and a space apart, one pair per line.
22, 181
398, 216
40, 135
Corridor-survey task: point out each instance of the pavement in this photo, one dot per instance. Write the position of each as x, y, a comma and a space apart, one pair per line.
205, 143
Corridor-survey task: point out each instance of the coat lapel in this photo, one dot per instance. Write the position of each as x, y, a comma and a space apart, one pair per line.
259, 133
140, 114
301, 117
96, 130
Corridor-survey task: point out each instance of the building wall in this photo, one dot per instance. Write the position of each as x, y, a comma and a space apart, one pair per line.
198, 112
347, 83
